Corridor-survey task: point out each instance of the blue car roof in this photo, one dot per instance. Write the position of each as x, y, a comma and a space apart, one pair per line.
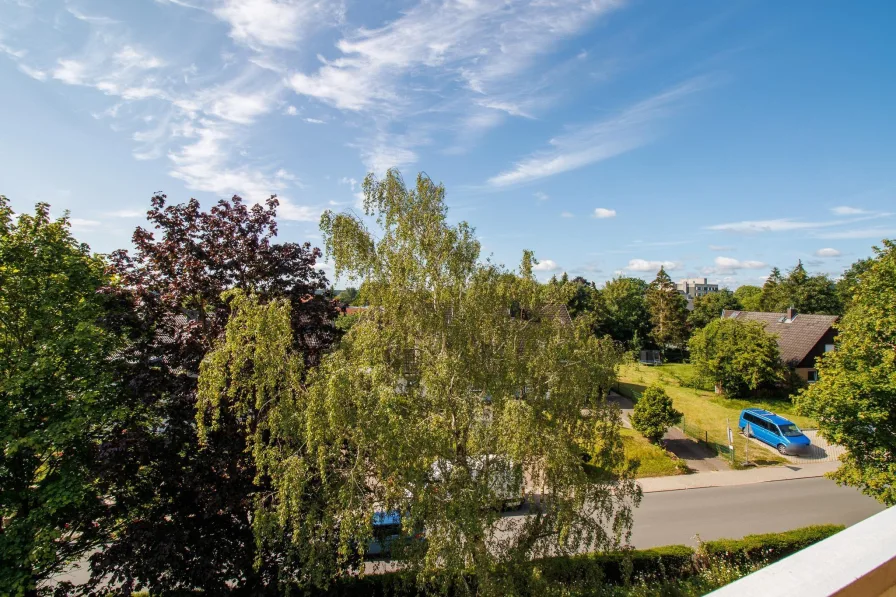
386, 518
768, 416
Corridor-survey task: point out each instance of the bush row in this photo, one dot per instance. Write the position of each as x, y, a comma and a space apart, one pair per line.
579, 571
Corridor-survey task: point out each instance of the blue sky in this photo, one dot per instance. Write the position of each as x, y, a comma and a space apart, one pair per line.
717, 138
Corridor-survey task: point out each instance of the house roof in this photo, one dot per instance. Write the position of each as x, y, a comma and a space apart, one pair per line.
558, 312
796, 337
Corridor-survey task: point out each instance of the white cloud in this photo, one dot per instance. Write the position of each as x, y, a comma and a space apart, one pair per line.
541, 196
876, 232
643, 265
827, 253
291, 111
729, 265
239, 108
601, 140
848, 211
546, 265
602, 213
131, 57
82, 225
457, 61
314, 121
783, 225
274, 23
127, 213
566, 214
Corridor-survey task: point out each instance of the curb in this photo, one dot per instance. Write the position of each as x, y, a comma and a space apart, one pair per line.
809, 476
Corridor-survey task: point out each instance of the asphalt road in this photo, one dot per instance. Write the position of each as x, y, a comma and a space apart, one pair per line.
676, 517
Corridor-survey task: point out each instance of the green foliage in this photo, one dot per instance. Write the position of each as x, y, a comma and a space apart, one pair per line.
459, 378
348, 296
854, 397
654, 413
670, 570
345, 321
56, 393
771, 546
848, 284
626, 318
709, 307
807, 294
749, 297
738, 356
668, 311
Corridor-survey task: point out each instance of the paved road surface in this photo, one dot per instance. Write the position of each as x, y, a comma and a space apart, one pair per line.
675, 517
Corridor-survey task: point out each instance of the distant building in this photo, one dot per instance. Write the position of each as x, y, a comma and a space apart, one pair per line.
694, 287
801, 338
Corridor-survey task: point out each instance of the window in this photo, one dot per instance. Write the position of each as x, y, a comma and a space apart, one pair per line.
790, 430
828, 347
812, 375
751, 419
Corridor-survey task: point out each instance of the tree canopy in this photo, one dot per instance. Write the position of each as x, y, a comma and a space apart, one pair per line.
654, 413
737, 356
749, 297
626, 317
668, 311
182, 516
56, 394
710, 306
807, 294
853, 399
461, 382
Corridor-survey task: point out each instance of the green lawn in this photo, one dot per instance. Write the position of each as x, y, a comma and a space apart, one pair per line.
704, 409
654, 461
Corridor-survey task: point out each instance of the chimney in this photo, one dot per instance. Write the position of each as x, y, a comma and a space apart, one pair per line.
791, 313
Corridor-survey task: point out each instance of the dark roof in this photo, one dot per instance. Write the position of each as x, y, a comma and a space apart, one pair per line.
558, 312
796, 337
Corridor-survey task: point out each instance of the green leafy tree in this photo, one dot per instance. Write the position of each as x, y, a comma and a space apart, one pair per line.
626, 318
807, 294
457, 384
737, 356
749, 297
849, 282
348, 296
853, 400
668, 310
710, 306
56, 391
654, 413
774, 298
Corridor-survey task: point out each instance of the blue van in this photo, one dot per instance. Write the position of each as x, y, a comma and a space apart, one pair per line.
774, 430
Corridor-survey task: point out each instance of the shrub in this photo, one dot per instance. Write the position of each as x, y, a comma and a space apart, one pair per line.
771, 546
654, 413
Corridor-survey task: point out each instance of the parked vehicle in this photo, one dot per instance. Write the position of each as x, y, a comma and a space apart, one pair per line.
505, 478
774, 430
386, 532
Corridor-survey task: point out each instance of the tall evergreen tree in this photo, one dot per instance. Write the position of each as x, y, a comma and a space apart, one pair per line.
668, 310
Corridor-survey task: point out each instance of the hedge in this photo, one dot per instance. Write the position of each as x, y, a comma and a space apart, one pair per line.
673, 561
771, 546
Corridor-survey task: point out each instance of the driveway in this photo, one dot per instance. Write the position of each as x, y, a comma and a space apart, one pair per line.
697, 456
819, 451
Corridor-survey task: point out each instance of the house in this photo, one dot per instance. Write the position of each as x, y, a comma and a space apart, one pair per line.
801, 338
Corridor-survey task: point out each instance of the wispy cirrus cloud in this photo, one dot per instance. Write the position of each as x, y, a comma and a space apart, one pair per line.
631, 128
877, 232
457, 62
787, 224
844, 210
199, 123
